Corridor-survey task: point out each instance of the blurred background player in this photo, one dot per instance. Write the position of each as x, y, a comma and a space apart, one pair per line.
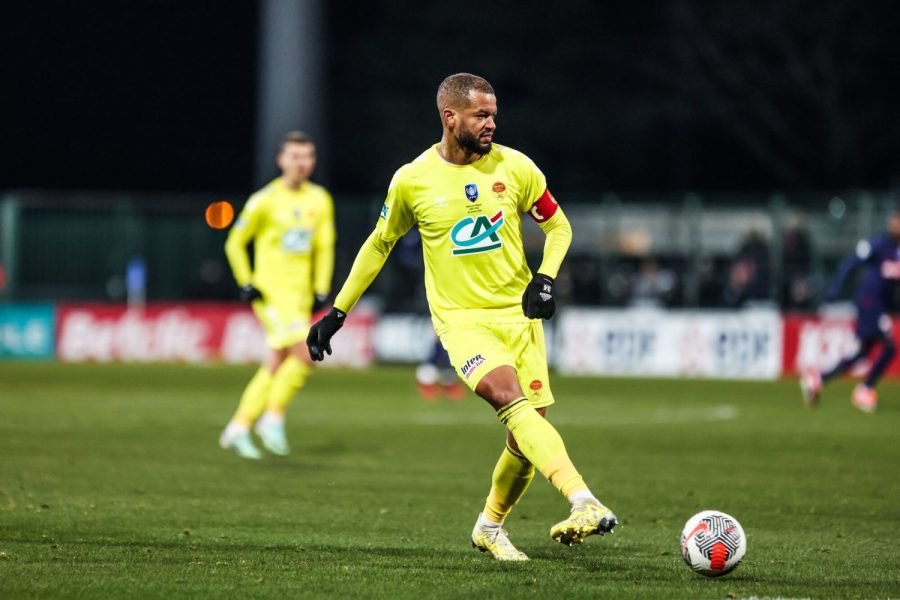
291, 225
881, 257
466, 195
436, 375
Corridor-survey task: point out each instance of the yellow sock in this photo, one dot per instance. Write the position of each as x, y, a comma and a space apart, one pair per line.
254, 398
288, 379
541, 444
512, 476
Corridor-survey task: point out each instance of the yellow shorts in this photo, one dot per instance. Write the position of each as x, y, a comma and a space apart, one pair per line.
284, 320
478, 348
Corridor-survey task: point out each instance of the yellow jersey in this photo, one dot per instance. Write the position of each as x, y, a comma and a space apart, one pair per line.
469, 218
293, 240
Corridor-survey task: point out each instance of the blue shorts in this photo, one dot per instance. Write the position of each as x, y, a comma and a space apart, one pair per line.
872, 324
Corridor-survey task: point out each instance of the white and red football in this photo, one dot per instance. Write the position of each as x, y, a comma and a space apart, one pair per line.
713, 543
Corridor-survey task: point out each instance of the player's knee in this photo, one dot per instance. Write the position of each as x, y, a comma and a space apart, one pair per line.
890, 349
497, 393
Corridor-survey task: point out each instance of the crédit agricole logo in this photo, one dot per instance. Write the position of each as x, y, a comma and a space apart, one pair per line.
473, 235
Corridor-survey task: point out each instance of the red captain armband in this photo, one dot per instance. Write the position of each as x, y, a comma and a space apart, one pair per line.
544, 207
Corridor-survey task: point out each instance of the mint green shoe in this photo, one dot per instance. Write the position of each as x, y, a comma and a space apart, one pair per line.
273, 437
241, 444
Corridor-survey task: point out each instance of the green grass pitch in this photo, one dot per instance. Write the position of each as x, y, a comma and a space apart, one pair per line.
112, 486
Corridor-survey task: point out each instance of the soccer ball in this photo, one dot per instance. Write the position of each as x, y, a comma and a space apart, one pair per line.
713, 543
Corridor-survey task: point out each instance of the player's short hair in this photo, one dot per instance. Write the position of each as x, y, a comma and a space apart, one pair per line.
454, 91
296, 137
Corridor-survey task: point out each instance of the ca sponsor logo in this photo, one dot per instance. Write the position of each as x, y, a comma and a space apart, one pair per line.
385, 209
470, 365
474, 235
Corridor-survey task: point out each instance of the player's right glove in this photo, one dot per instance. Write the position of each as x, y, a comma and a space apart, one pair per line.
319, 339
249, 293
537, 301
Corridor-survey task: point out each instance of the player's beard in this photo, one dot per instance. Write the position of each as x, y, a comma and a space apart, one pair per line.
472, 142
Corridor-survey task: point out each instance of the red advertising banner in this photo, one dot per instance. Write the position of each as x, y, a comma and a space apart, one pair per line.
186, 332
816, 342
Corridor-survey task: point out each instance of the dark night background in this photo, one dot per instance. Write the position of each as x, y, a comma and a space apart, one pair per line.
659, 95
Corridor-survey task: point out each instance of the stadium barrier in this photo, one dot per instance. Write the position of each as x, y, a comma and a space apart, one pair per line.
657, 343
186, 332
26, 331
758, 344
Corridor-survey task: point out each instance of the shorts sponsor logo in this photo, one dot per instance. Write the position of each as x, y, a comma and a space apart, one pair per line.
474, 235
470, 365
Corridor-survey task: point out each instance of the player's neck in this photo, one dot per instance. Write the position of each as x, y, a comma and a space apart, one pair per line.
455, 154
292, 184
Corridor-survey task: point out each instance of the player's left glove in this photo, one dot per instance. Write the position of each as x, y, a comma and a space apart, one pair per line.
249, 293
319, 302
537, 301
319, 339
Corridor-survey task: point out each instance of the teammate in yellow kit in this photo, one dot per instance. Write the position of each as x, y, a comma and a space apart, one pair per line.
291, 224
466, 195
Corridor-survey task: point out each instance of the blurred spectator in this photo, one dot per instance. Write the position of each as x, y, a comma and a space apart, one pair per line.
653, 285
748, 277
797, 290
213, 282
581, 280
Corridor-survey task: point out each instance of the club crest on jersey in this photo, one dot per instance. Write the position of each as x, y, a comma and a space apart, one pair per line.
472, 192
474, 235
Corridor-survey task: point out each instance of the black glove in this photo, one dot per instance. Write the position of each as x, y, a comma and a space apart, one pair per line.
537, 301
319, 339
319, 302
249, 293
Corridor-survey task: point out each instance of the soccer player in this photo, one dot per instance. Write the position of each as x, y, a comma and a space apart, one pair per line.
881, 257
291, 225
466, 194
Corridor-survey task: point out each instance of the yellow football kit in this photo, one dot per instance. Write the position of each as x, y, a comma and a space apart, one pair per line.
469, 219
293, 242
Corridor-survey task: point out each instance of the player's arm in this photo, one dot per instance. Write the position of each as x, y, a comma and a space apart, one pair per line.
239, 236
862, 254
550, 217
368, 263
395, 220
323, 256
538, 301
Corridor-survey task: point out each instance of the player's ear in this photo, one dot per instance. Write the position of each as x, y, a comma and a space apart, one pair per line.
449, 117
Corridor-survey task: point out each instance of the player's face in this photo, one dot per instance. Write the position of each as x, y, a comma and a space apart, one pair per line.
894, 227
475, 124
297, 161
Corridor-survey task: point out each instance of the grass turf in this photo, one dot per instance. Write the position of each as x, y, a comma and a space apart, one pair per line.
112, 485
